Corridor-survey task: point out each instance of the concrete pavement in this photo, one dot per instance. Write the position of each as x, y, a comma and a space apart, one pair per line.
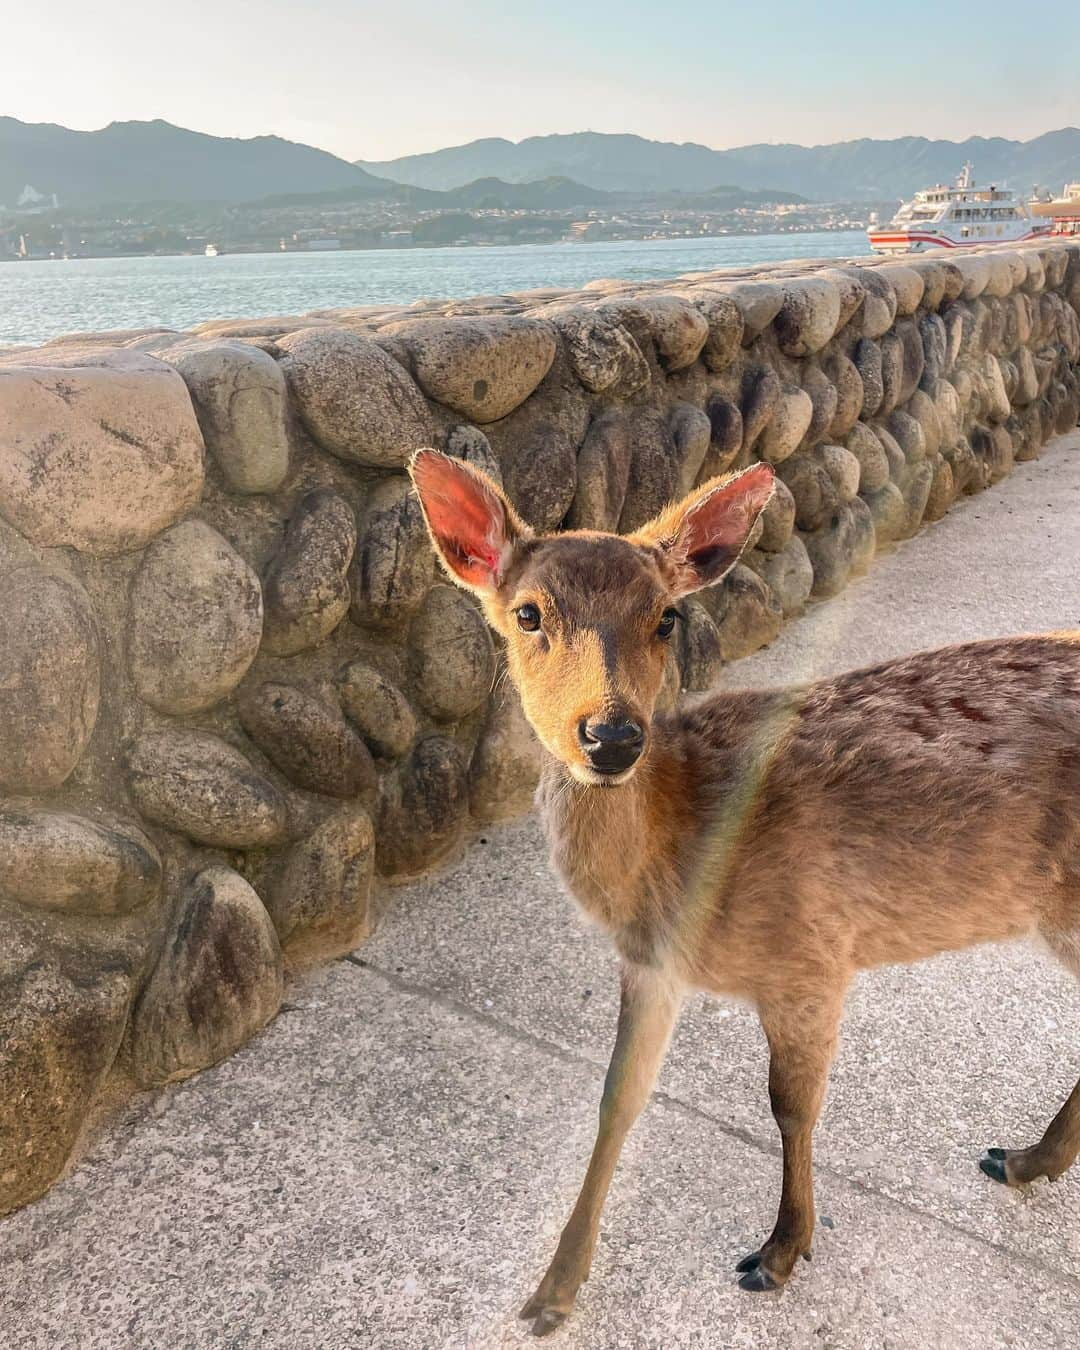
389, 1164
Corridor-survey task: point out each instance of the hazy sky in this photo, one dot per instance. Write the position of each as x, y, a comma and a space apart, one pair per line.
376, 80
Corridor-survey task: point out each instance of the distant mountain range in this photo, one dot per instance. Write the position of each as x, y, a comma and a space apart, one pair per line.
848, 170
155, 161
141, 162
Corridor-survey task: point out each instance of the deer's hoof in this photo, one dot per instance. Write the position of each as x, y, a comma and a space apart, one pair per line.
547, 1322
539, 1310
992, 1164
754, 1276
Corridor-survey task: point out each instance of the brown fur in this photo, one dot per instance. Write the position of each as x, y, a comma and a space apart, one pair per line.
770, 844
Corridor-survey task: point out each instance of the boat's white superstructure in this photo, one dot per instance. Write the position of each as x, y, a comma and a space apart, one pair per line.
959, 216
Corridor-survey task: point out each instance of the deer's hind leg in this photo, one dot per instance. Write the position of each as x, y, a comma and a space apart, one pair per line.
1056, 1151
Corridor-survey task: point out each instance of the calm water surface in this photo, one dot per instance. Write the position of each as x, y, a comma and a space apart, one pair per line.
40, 300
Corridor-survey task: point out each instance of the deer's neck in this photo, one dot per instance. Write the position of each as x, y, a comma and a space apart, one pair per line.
616, 848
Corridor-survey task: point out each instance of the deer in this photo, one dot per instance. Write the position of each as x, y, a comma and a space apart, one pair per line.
765, 845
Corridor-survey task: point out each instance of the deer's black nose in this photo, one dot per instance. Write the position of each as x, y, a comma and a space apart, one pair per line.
611, 747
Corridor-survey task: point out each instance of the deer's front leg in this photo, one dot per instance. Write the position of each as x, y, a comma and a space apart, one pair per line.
646, 1017
802, 1041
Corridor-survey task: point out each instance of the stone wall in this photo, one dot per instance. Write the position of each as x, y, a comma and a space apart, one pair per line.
235, 692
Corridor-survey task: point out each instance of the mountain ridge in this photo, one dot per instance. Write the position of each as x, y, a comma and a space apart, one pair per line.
865, 168
157, 161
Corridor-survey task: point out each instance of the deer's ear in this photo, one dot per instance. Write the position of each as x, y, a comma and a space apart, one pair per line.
702, 536
472, 525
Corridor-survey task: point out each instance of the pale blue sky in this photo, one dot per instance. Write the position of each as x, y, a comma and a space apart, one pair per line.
376, 80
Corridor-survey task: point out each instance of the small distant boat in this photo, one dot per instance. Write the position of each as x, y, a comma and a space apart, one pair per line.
212, 251
959, 216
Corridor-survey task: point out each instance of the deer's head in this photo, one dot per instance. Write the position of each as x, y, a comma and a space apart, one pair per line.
586, 616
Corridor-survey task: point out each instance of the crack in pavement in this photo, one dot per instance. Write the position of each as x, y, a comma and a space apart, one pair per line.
689, 1111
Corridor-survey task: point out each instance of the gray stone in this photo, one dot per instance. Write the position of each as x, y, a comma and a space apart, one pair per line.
505, 765
825, 399
320, 904
975, 271
942, 490
761, 394
751, 615
892, 373
471, 445
873, 461
777, 519
196, 619
935, 348
394, 563
195, 783
603, 471
787, 573
1027, 435
879, 303
308, 740
699, 656
842, 467
306, 588
451, 656
893, 453
785, 429
1000, 280
603, 354
969, 475
949, 413
691, 430
482, 368
909, 435
678, 329
843, 546
849, 395
654, 469
50, 674
726, 437
217, 982
726, 328
907, 286
808, 316
933, 279
63, 1022
758, 301
850, 283
813, 489
240, 400
914, 362
954, 333
995, 400
916, 490
1036, 272
378, 708
356, 401
993, 447
424, 808
889, 512
921, 407
62, 861
537, 446
98, 452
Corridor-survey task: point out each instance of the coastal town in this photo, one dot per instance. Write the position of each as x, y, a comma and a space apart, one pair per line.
42, 227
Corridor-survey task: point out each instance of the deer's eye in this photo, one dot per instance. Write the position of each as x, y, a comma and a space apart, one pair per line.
528, 618
666, 626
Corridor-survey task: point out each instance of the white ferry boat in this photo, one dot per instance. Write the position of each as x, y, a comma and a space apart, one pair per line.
957, 217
